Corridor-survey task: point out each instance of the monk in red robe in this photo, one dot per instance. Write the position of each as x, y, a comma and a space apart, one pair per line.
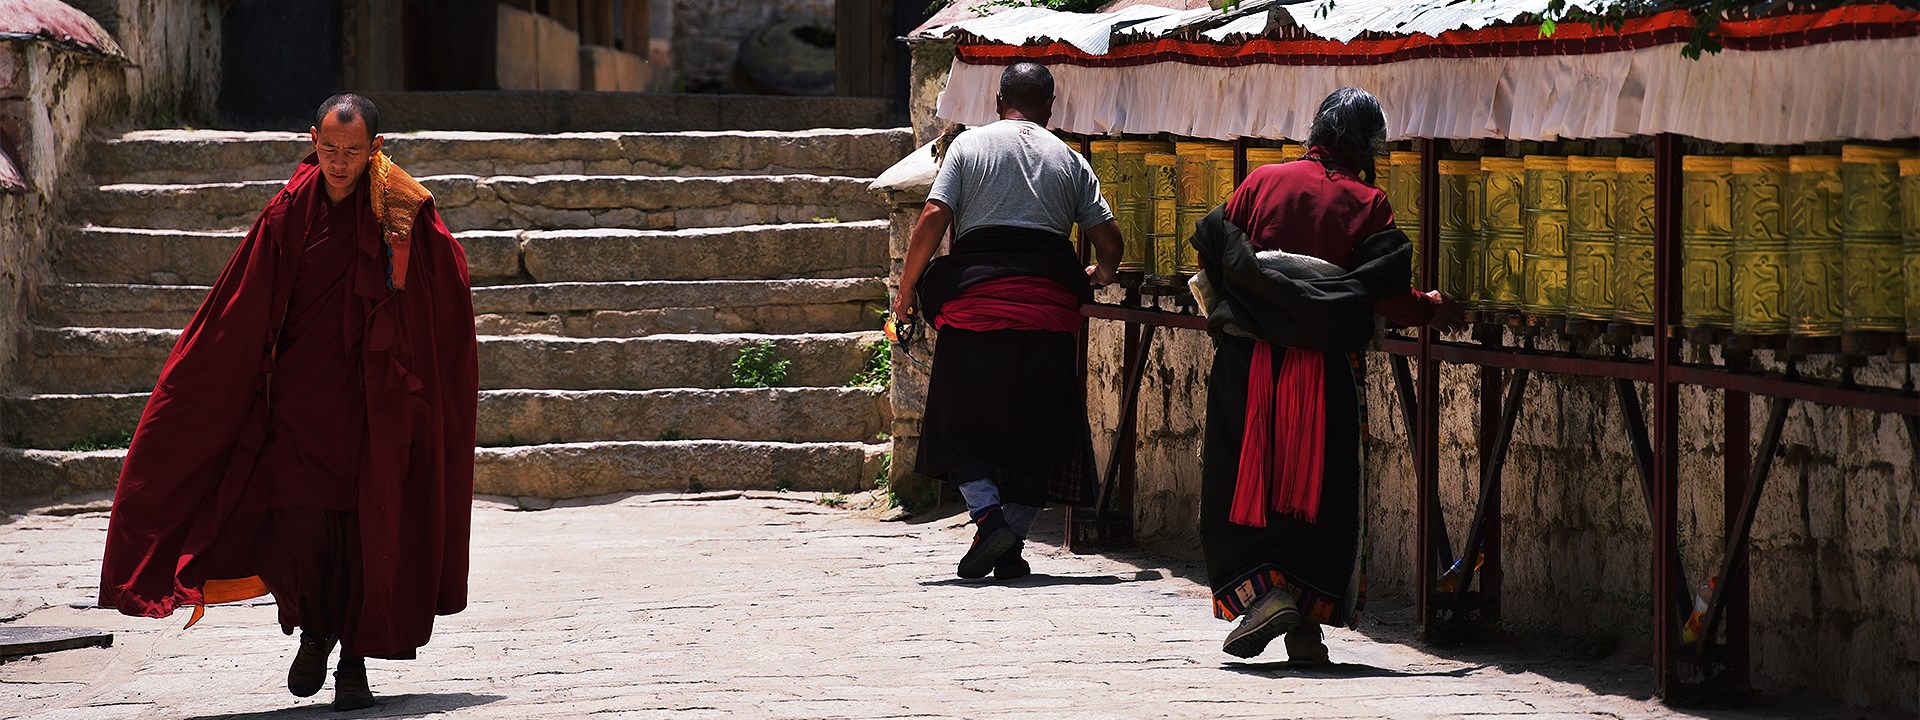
311, 435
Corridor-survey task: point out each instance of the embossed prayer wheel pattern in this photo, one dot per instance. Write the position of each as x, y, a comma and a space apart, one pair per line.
1706, 242
1870, 228
1191, 189
1815, 292
1759, 246
1590, 209
1160, 194
1633, 241
1910, 223
1402, 186
1503, 233
1261, 157
1459, 220
1136, 205
1544, 261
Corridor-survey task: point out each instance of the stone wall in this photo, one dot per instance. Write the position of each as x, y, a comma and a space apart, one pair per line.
52, 100
174, 49
707, 35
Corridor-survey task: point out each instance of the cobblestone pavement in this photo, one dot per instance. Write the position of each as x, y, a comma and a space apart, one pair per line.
769, 606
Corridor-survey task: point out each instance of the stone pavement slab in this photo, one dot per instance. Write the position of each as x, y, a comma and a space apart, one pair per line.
771, 606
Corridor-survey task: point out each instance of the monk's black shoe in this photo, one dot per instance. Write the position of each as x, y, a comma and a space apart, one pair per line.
1011, 565
350, 689
309, 670
992, 538
1304, 646
1270, 617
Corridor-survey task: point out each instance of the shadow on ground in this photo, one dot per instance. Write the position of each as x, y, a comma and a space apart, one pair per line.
1045, 580
1337, 670
391, 706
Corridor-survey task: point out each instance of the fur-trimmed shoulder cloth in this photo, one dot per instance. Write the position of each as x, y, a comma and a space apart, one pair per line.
397, 198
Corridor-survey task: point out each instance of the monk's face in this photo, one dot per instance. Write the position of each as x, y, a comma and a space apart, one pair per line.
344, 149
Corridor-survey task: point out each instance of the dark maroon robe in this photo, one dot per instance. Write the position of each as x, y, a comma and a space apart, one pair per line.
305, 381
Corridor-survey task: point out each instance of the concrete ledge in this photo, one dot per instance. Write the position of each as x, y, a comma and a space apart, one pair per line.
202, 156
572, 470
128, 360
552, 112
589, 469
519, 417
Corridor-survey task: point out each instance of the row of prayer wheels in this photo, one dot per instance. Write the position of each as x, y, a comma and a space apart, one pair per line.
1809, 246
1159, 191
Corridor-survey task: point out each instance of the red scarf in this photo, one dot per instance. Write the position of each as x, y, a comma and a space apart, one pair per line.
1283, 450
1021, 302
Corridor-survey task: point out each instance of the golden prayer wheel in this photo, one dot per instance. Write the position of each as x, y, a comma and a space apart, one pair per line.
1706, 242
1590, 209
1910, 224
1815, 293
1220, 184
1759, 245
1191, 189
1503, 233
1161, 181
1290, 153
1544, 259
1105, 159
1136, 206
1870, 228
1402, 184
1633, 241
1460, 258
1261, 156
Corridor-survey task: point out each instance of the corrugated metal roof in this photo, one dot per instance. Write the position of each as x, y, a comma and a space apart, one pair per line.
56, 22
1090, 32
1348, 19
1147, 20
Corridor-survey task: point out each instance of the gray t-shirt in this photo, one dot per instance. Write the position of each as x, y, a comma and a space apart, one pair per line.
1015, 173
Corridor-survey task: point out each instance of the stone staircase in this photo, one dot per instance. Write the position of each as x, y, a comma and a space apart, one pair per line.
617, 277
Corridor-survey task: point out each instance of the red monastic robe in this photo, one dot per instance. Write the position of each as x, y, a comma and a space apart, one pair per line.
202, 470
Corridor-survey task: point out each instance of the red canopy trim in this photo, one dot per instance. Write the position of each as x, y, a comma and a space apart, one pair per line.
1856, 22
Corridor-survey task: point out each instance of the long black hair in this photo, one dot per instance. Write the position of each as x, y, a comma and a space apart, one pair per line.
1350, 121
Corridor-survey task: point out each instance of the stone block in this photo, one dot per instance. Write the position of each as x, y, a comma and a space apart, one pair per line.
591, 469
517, 51
605, 69
817, 250
531, 417
661, 361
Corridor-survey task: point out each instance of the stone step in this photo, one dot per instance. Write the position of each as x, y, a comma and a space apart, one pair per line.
121, 360
471, 202
204, 156
113, 255
613, 309
518, 417
541, 471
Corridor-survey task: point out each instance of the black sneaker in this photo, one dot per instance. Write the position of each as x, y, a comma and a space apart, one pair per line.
992, 538
1011, 566
1270, 617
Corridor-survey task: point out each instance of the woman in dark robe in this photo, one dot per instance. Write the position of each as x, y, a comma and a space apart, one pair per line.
1299, 262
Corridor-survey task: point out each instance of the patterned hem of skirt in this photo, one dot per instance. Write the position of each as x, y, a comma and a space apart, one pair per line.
1315, 604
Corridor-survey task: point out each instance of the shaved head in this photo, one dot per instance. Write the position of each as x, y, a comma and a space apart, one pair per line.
1027, 87
346, 108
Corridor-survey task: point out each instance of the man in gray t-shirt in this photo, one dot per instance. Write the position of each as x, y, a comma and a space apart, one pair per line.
1014, 173
1005, 422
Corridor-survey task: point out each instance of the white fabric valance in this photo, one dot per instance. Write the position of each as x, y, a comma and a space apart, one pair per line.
1857, 89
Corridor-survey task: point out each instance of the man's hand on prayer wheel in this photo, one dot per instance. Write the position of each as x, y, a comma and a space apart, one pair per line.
1101, 275
1447, 314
